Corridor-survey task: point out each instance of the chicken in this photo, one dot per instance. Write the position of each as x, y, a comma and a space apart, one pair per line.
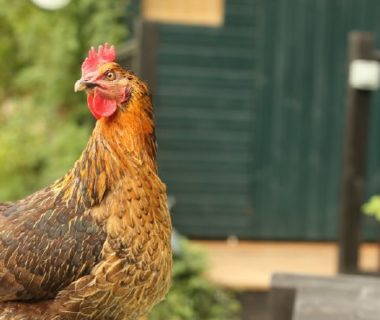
97, 241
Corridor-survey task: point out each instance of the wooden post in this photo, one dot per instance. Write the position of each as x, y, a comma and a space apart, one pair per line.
147, 53
361, 46
281, 303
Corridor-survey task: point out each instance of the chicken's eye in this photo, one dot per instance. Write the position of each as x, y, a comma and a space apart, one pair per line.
110, 75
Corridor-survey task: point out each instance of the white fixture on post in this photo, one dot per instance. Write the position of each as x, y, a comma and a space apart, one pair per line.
51, 4
364, 75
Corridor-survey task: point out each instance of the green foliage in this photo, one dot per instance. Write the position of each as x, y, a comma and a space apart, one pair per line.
192, 297
372, 207
44, 124
34, 152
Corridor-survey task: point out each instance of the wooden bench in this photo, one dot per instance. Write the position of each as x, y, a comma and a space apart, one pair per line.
301, 297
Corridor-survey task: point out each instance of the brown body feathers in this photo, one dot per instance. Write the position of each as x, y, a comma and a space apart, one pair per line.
97, 241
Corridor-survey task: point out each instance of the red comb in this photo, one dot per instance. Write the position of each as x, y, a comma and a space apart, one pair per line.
105, 54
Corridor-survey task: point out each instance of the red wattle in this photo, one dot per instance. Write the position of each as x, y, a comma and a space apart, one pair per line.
100, 106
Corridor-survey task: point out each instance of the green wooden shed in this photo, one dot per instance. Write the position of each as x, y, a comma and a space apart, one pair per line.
250, 118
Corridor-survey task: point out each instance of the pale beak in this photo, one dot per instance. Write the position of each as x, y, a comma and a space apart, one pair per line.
79, 86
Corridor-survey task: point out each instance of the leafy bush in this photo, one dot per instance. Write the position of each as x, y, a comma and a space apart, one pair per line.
372, 207
40, 57
34, 153
192, 297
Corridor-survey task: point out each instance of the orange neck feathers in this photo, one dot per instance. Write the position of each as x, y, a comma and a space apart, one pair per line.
123, 140
131, 131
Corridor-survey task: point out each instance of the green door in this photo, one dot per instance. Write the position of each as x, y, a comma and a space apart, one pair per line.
250, 118
204, 114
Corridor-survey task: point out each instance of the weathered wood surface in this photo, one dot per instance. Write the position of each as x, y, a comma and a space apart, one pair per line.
337, 304
301, 297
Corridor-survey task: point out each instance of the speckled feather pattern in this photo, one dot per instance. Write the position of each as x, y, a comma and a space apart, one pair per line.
97, 241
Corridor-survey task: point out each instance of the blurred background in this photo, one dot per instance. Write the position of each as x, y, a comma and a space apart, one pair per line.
252, 110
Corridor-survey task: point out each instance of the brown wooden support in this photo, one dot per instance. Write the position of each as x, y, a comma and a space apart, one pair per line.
147, 53
361, 46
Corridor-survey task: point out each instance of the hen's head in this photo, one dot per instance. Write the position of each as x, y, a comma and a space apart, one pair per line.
109, 87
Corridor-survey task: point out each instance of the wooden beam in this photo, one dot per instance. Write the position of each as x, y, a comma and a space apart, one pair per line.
281, 303
327, 298
361, 46
194, 12
147, 53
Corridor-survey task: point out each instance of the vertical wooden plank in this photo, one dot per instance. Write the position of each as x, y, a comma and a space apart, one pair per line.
147, 55
281, 303
355, 159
